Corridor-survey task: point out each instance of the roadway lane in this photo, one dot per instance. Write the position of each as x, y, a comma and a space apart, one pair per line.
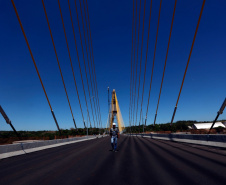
138, 161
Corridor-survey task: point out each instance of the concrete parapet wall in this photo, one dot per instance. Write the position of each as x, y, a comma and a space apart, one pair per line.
10, 148
216, 140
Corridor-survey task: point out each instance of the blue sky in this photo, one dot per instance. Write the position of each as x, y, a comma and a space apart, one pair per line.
21, 94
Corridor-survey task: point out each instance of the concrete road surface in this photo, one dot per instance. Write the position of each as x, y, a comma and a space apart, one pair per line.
138, 161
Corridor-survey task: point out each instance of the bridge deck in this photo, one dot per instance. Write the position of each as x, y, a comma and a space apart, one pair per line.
138, 161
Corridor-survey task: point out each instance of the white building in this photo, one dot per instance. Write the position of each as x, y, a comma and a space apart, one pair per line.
207, 125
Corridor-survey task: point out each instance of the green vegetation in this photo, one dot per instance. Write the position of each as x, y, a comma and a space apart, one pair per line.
52, 134
219, 129
178, 126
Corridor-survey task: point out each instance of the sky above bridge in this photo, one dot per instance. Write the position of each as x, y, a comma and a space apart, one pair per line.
21, 94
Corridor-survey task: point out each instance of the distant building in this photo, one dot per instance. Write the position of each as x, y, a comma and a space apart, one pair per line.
207, 125
224, 122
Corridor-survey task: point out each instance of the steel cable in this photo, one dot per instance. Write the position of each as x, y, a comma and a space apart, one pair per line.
149, 26
92, 63
80, 69
91, 83
58, 60
134, 65
71, 63
25, 37
153, 60
90, 52
141, 60
196, 30
73, 71
80, 34
137, 60
165, 60
131, 69
83, 53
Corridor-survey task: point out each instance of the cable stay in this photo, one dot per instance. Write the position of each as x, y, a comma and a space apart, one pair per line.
140, 61
137, 61
90, 72
25, 37
131, 72
76, 47
153, 60
88, 67
218, 114
8, 121
58, 62
193, 42
84, 60
93, 66
71, 63
132, 110
149, 26
165, 60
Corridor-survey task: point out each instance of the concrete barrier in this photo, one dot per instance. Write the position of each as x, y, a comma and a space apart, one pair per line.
216, 140
10, 148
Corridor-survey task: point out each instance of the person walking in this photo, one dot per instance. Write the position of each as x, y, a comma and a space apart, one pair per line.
114, 133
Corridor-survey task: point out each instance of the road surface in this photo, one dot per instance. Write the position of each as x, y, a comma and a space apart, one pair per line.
138, 161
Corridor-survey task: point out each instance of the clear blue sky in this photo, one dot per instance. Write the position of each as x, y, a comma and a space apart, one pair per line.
21, 94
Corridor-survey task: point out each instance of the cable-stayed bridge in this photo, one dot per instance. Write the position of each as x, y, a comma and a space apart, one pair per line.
140, 158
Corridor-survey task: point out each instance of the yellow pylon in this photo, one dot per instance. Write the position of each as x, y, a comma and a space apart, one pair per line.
115, 111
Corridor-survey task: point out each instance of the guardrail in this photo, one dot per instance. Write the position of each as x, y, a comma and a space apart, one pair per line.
216, 140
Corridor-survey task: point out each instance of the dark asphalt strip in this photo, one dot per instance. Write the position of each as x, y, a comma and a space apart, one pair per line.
219, 160
37, 161
43, 155
73, 166
174, 170
108, 168
95, 164
199, 148
48, 152
125, 171
138, 161
177, 169
150, 166
209, 173
203, 165
136, 173
205, 148
41, 163
79, 169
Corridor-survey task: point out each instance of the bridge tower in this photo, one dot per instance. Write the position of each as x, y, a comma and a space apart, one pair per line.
115, 113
